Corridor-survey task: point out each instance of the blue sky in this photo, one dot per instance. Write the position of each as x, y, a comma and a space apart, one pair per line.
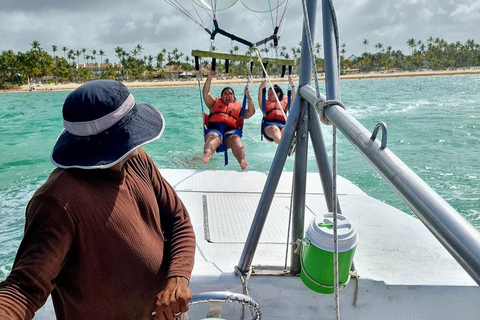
106, 24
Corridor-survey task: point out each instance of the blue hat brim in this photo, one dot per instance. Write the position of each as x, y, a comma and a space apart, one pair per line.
143, 124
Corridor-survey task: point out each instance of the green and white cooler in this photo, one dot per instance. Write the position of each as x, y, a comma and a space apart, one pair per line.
317, 252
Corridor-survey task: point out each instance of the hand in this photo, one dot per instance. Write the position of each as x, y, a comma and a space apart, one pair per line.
290, 80
246, 92
173, 300
263, 84
211, 74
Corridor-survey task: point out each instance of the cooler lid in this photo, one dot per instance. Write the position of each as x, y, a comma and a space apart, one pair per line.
320, 233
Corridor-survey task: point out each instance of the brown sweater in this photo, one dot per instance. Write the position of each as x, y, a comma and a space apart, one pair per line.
102, 242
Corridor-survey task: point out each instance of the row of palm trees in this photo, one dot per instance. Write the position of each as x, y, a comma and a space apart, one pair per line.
38, 65
435, 54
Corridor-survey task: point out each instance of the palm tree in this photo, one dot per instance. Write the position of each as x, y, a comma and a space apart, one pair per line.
119, 53
94, 53
411, 43
54, 49
83, 51
78, 53
101, 53
365, 43
36, 49
71, 56
64, 49
134, 52
139, 49
318, 47
160, 58
35, 45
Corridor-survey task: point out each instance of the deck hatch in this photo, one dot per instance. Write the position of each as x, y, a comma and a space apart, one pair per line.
227, 218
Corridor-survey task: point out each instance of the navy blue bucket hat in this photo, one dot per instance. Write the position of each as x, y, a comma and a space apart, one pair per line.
102, 125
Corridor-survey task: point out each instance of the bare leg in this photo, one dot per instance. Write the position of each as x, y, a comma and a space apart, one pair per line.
235, 143
212, 141
274, 133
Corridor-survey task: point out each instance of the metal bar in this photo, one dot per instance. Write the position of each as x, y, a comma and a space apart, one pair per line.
332, 88
299, 187
228, 35
305, 60
455, 233
239, 57
269, 189
321, 157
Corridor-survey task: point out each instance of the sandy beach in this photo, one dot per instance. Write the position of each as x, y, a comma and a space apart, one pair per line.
232, 81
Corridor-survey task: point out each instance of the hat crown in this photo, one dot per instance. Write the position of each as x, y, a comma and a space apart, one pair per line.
94, 100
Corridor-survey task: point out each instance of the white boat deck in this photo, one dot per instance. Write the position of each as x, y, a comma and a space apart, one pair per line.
404, 271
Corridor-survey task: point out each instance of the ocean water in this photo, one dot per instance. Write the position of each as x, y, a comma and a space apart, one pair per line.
433, 126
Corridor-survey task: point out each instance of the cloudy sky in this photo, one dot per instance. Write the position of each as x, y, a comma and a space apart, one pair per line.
154, 24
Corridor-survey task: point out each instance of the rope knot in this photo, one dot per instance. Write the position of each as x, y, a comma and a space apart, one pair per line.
321, 105
299, 245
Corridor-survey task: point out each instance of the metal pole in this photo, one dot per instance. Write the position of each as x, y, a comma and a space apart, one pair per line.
305, 61
321, 157
332, 88
299, 187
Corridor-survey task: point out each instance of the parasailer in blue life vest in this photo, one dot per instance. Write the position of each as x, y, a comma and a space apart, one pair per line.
225, 121
274, 120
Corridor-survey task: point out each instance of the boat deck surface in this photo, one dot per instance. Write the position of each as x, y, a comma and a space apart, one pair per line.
394, 247
405, 273
402, 267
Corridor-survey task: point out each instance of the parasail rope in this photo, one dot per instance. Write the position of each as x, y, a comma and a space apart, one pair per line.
268, 79
263, 22
271, 15
297, 21
198, 15
284, 11
175, 4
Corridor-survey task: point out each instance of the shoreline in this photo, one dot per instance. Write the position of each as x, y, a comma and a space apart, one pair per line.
224, 81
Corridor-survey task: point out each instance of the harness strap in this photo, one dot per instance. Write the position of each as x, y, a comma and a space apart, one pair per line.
289, 96
264, 106
223, 147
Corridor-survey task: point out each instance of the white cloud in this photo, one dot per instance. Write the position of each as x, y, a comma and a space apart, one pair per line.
156, 25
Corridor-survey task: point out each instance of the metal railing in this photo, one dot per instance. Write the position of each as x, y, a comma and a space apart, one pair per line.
453, 231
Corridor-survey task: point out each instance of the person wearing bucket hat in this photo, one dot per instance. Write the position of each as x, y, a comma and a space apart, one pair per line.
105, 235
221, 110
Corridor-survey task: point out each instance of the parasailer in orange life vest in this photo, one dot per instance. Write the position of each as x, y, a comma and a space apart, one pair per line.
273, 117
223, 123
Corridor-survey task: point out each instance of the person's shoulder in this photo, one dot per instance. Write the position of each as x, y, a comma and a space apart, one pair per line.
144, 156
56, 176
142, 153
142, 160
59, 182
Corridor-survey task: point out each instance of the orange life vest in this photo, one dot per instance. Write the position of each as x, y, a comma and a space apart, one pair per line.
228, 114
273, 111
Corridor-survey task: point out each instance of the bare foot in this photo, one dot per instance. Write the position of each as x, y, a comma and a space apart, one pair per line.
206, 157
243, 164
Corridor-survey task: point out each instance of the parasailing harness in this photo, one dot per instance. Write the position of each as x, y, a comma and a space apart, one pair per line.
264, 102
222, 126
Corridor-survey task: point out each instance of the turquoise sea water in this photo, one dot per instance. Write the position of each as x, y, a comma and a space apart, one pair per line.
433, 126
